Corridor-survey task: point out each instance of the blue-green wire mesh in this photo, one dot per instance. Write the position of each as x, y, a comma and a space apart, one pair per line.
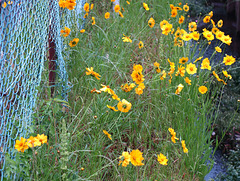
24, 34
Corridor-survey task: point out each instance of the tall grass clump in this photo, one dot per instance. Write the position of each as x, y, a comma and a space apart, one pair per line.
141, 103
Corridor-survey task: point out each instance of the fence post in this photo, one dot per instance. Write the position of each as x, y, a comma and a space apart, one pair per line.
52, 48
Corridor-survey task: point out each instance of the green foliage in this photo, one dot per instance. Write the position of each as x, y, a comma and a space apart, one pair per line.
18, 167
233, 167
199, 7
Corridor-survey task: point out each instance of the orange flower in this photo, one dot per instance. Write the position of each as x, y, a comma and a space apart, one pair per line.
74, 42
107, 15
228, 60
65, 32
117, 8
202, 89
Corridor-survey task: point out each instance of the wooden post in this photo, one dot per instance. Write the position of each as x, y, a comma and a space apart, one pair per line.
52, 49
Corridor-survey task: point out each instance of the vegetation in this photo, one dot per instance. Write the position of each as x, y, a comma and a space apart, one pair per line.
141, 103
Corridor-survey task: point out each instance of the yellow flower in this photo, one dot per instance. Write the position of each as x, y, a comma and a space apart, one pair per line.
115, 97
181, 71
228, 60
65, 32
166, 29
139, 89
120, 14
164, 74
208, 35
179, 89
226, 39
174, 13
92, 5
217, 77
127, 2
220, 23
136, 158
33, 141
125, 159
162, 159
202, 89
91, 72
218, 49
96, 91
117, 8
186, 7
112, 108
107, 15
108, 135
128, 88
145, 6
163, 22
213, 23
226, 74
124, 106
62, 4
219, 35
178, 33
86, 15
126, 39
195, 35
140, 44
215, 30
86, 7
173, 133
156, 65
151, 22
93, 21
171, 130
183, 60
206, 19
185, 150
191, 69
206, 64
42, 138
107, 89
181, 19
112, 0
199, 58
192, 26
137, 77
82, 30
186, 36
210, 14
21, 145
70, 4
188, 81
74, 42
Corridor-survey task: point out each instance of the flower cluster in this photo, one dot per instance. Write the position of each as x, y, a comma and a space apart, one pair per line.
135, 157
69, 4
138, 78
23, 144
65, 32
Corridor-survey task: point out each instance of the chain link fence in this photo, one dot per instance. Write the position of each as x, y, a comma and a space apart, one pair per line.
29, 36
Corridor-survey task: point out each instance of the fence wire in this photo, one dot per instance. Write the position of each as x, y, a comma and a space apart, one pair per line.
27, 29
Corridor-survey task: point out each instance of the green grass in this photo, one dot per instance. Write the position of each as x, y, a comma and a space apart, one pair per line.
82, 143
